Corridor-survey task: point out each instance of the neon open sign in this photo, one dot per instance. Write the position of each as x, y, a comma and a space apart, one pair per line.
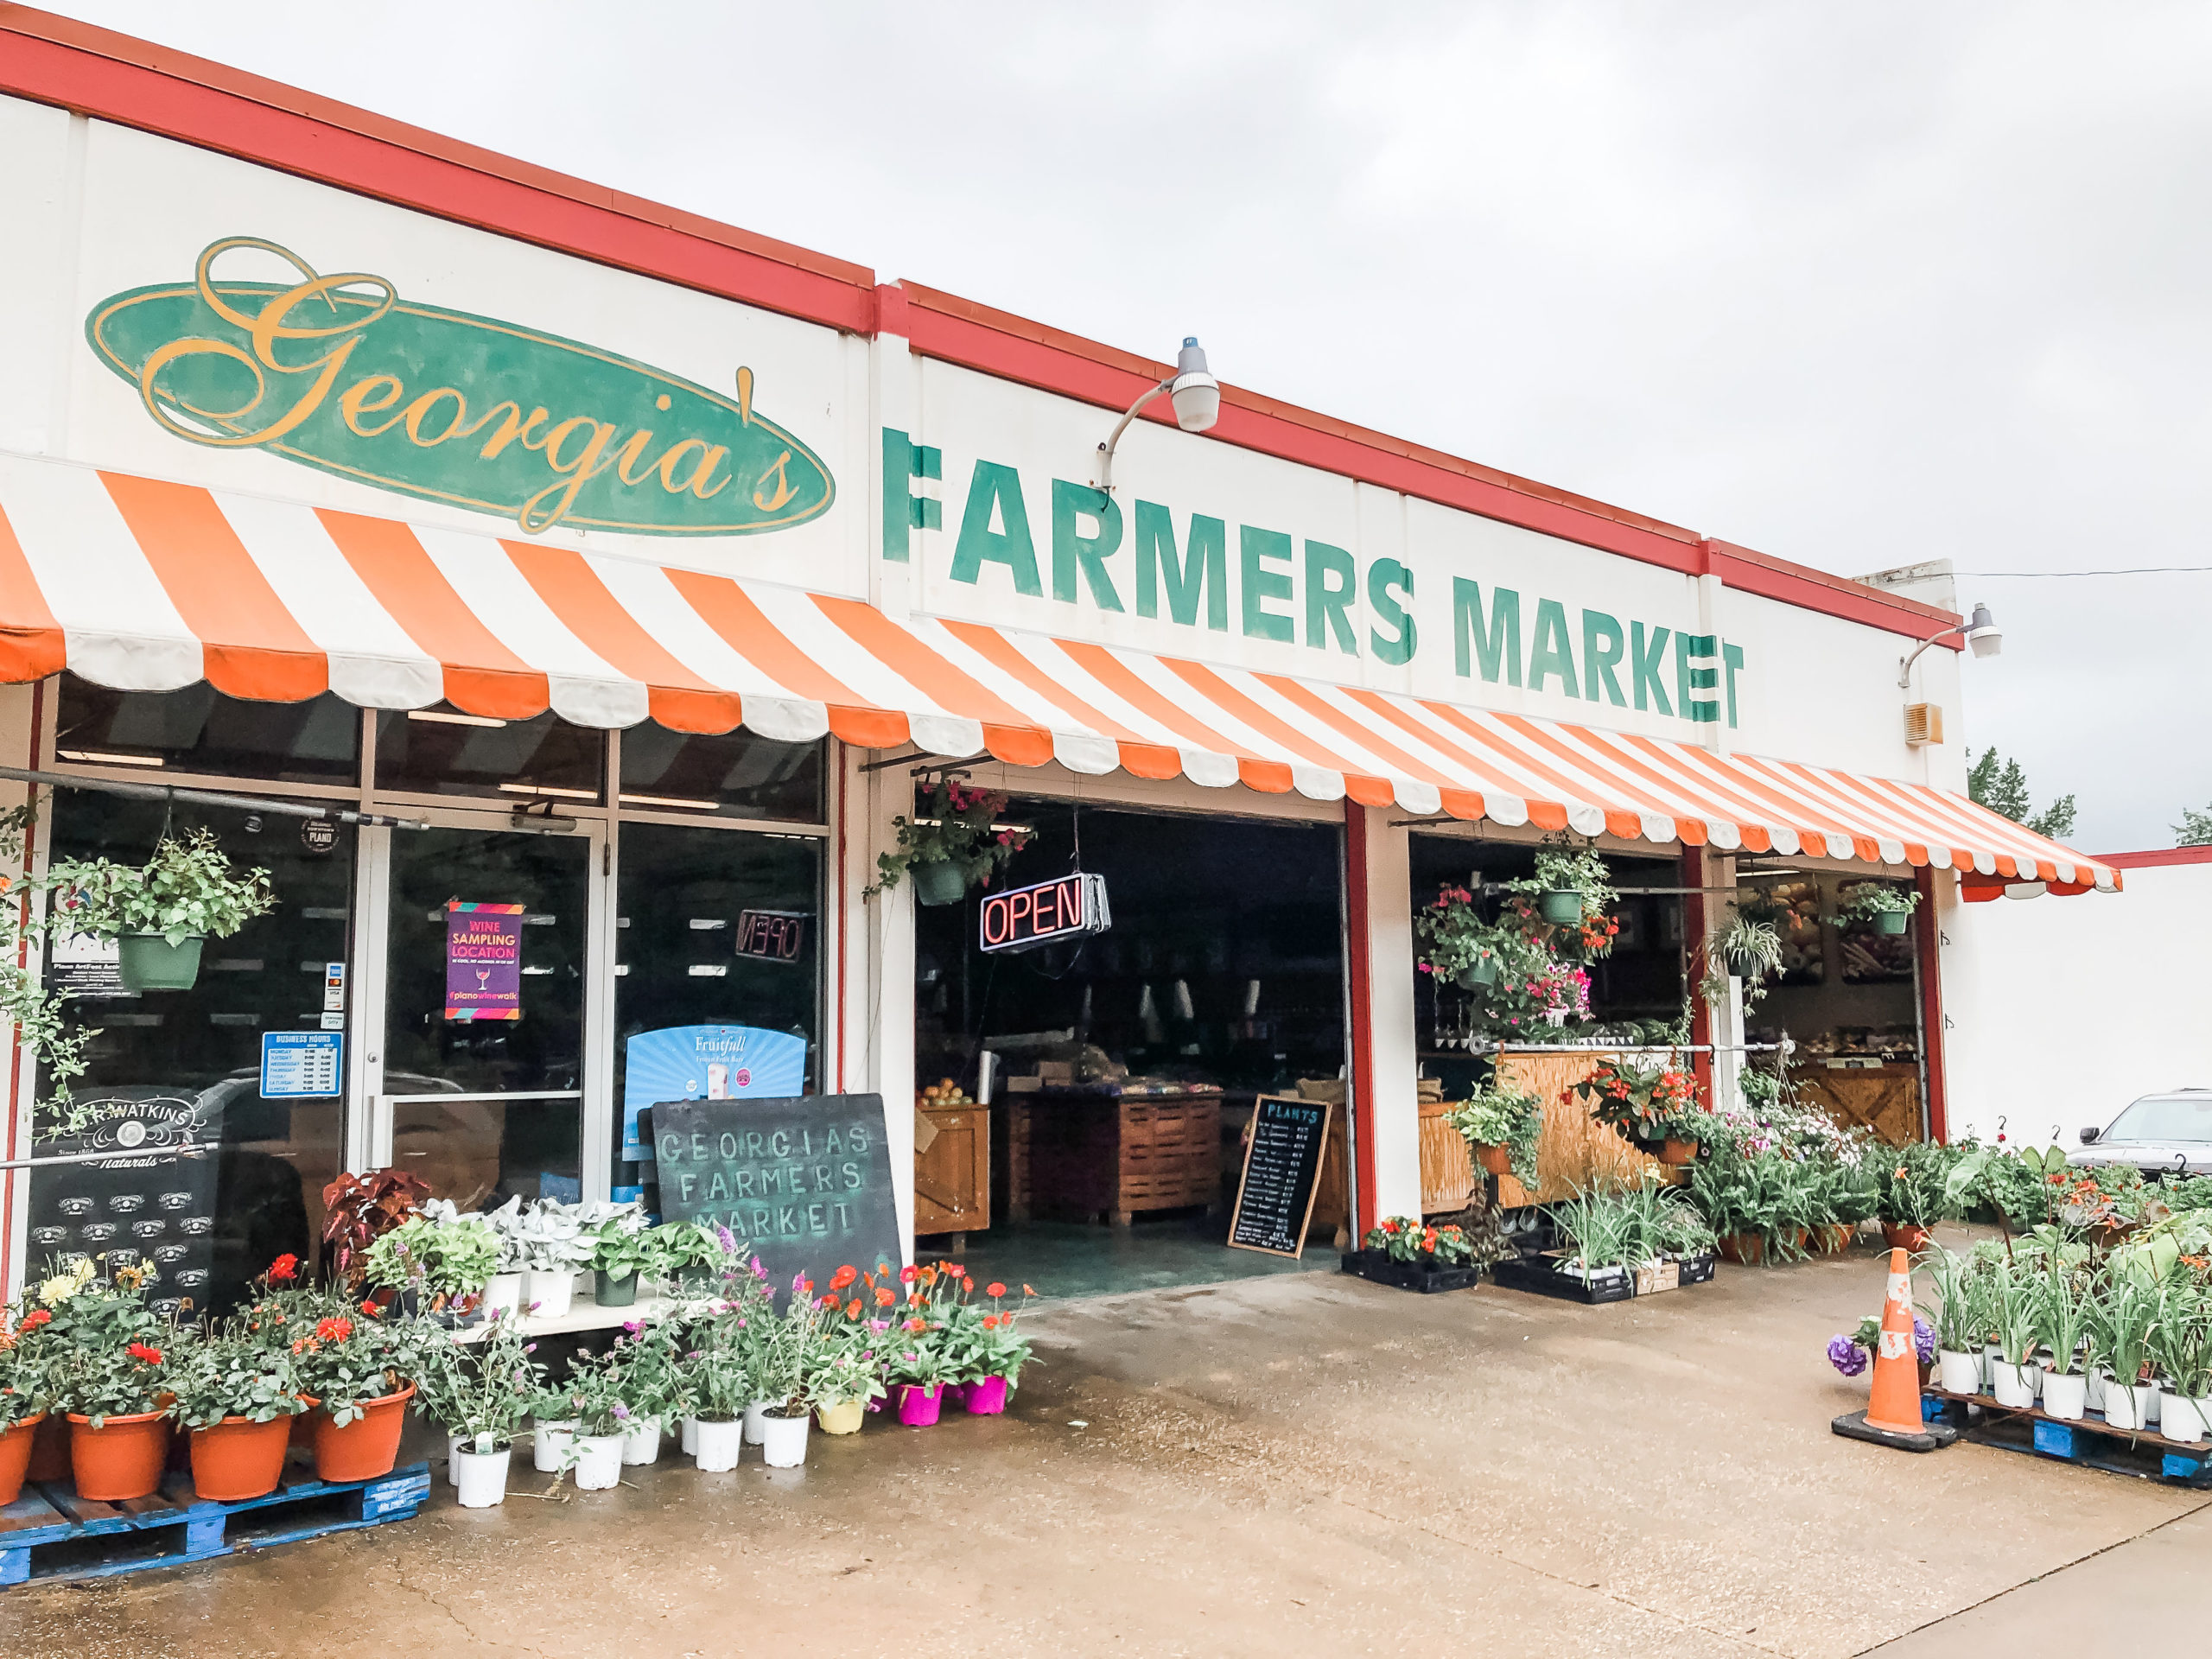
771, 935
1024, 918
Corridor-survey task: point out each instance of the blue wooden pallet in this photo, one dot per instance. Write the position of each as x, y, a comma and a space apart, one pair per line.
2086, 1440
50, 1535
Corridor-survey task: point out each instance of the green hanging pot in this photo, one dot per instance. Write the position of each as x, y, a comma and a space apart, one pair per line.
1561, 907
1481, 972
940, 882
1892, 922
147, 962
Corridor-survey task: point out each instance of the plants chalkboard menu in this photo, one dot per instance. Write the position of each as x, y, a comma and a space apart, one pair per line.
804, 1182
1282, 1168
138, 1203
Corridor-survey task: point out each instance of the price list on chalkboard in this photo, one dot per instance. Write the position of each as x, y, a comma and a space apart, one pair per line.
1282, 1168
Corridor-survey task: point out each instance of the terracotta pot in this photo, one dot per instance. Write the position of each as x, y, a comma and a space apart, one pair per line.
50, 1449
367, 1446
1678, 1153
1496, 1160
1749, 1249
239, 1459
302, 1430
1905, 1235
122, 1459
16, 1456
1834, 1238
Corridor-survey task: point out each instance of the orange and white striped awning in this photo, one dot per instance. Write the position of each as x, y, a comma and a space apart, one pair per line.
148, 586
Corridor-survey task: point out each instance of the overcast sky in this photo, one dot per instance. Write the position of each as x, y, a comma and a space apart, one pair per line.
1853, 285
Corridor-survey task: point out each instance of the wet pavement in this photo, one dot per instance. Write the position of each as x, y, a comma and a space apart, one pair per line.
1297, 1464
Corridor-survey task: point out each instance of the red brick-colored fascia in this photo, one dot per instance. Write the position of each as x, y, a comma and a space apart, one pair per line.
2156, 857
93, 72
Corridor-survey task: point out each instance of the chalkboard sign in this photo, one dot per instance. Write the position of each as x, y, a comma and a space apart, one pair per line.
803, 1181
1282, 1168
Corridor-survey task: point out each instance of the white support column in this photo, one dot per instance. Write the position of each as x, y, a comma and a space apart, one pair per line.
19, 745
1379, 928
878, 1026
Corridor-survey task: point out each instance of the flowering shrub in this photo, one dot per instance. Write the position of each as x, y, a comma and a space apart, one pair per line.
233, 1372
348, 1354
1643, 1102
956, 825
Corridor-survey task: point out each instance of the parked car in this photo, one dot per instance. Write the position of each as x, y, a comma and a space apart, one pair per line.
2166, 1134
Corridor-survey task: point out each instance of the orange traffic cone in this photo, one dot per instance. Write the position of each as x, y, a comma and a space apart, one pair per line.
1892, 1416
1894, 1406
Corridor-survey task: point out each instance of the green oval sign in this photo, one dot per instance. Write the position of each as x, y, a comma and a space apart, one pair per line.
340, 373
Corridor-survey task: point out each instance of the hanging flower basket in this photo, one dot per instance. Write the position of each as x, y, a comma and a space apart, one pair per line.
940, 883
149, 961
1892, 923
1476, 975
1561, 907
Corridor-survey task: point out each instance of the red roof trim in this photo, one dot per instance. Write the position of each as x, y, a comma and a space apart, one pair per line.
2157, 856
133, 83
52, 60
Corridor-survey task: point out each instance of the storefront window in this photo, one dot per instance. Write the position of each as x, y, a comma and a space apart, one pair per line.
718, 984
485, 999
200, 730
443, 751
167, 1059
736, 774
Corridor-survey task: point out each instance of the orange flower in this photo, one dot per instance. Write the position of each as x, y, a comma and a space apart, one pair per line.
995, 1289
967, 1284
853, 1308
843, 1276
884, 1297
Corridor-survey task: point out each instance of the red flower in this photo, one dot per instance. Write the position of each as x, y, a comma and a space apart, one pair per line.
955, 1268
918, 1325
967, 1284
335, 1329
884, 1297
35, 1319
995, 1289
140, 1351
853, 1308
369, 1307
907, 1275
843, 1276
990, 1321
284, 1268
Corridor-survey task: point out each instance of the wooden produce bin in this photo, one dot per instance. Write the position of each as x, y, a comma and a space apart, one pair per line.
1083, 1156
952, 1174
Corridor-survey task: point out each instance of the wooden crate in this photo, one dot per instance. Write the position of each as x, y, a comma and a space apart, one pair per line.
952, 1177
1086, 1158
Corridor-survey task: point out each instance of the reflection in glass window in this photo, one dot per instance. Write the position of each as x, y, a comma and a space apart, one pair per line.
737, 774
716, 928
443, 751
200, 730
208, 1224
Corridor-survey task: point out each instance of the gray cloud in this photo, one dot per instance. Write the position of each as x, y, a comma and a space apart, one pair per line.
1854, 286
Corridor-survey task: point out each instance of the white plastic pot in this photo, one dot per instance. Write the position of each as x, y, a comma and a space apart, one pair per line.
502, 1293
2013, 1385
481, 1476
1959, 1373
690, 1435
550, 1444
783, 1439
2065, 1395
2120, 1406
753, 1413
454, 1443
598, 1462
719, 1445
2180, 1418
2147, 1399
641, 1441
548, 1295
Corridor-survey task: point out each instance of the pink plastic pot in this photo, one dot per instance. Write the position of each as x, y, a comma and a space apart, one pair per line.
986, 1398
918, 1407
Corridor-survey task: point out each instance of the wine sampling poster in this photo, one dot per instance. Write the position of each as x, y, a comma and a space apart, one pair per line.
483, 961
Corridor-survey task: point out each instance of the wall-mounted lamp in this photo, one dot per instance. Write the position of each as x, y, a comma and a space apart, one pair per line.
1983, 638
1193, 391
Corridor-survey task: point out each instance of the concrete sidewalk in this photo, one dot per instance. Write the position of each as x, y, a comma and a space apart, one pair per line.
1304, 1463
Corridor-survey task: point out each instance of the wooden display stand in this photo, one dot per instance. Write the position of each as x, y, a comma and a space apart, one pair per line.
1449, 1179
952, 1173
1574, 1151
1884, 1098
1079, 1157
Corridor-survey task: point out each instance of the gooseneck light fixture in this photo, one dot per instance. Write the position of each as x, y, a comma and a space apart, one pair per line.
1982, 637
1193, 391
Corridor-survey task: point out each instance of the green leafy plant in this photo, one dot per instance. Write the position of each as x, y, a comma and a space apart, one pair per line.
1642, 1100
954, 824
444, 1261
484, 1390
590, 1396
683, 1247
1959, 1314
622, 1245
1913, 1185
1495, 1117
2181, 1340
1871, 899
1562, 866
352, 1355
234, 1372
186, 890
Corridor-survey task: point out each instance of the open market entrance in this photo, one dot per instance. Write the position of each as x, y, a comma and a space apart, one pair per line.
1083, 1104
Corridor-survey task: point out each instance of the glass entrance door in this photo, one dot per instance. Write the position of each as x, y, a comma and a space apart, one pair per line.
486, 1052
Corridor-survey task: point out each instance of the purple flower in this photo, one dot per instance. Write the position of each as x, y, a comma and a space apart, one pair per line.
621, 1414
760, 1270
1846, 1356
634, 1327
1924, 1340
728, 1239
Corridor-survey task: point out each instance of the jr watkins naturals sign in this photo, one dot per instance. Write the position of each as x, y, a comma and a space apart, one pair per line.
342, 372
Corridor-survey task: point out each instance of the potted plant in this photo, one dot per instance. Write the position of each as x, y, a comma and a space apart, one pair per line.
953, 842
650, 1356
1912, 1192
1501, 1127
1572, 891
845, 1371
23, 1401
1888, 909
719, 1376
992, 1350
620, 1251
2125, 1319
107, 1355
591, 1400
550, 1240
2063, 1313
159, 913
437, 1267
689, 1254
1958, 1318
1462, 948
503, 1290
359, 1210
2181, 1343
491, 1385
920, 1362
1644, 1104
238, 1391
360, 1364
2014, 1375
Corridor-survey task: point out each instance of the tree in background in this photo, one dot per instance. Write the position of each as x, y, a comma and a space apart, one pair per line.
2000, 784
2195, 828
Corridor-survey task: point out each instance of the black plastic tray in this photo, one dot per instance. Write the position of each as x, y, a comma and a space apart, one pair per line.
1377, 1266
1534, 1273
